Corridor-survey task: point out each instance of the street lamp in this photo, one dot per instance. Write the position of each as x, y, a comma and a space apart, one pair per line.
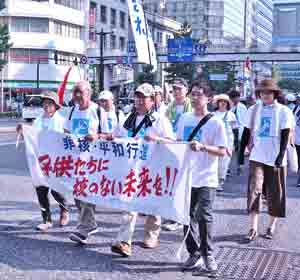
102, 35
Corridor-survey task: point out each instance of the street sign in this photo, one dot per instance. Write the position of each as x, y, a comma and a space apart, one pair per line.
93, 60
131, 48
200, 49
218, 77
180, 50
83, 59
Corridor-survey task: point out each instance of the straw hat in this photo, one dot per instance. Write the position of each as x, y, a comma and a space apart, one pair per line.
53, 96
223, 97
268, 84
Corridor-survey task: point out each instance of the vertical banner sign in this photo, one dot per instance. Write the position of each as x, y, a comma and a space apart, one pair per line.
141, 33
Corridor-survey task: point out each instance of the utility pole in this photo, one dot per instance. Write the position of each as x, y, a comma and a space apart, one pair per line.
38, 74
102, 35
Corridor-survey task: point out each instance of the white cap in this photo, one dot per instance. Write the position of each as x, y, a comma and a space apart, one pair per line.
290, 97
105, 94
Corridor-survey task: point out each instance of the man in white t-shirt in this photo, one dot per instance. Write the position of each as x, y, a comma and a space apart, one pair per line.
240, 111
115, 117
159, 104
209, 142
142, 122
85, 120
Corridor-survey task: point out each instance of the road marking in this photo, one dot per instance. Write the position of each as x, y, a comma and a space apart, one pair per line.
9, 143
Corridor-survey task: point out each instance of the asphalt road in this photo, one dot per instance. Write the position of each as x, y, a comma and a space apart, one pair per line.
27, 254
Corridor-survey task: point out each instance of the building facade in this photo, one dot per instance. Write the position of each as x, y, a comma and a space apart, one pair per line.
287, 33
38, 29
112, 16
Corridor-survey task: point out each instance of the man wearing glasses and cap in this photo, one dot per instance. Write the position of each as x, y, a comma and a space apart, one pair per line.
142, 122
114, 116
176, 108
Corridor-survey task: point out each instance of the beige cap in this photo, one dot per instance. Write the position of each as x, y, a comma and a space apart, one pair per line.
106, 95
146, 89
52, 96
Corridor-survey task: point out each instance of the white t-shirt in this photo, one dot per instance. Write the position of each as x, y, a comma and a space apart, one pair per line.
112, 120
161, 127
204, 165
240, 112
86, 122
162, 109
297, 126
266, 147
230, 123
56, 123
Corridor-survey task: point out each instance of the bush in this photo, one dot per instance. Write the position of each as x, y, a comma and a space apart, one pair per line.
8, 115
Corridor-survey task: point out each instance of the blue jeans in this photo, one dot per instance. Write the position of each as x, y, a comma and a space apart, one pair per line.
200, 238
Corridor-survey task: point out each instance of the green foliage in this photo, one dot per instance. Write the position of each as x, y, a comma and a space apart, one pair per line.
188, 71
146, 76
219, 68
2, 5
290, 85
5, 45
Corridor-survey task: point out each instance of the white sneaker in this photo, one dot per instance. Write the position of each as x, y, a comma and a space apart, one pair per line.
44, 226
172, 226
193, 262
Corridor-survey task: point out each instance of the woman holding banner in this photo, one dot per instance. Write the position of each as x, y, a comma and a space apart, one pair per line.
49, 120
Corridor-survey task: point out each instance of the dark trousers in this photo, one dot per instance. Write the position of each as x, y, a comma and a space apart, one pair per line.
200, 238
43, 198
298, 154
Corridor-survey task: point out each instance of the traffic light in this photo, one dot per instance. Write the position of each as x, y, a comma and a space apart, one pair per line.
75, 61
55, 57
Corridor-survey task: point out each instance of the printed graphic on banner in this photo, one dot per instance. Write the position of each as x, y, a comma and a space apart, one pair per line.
122, 174
265, 127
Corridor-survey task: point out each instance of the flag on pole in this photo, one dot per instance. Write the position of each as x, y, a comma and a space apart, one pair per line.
141, 33
62, 87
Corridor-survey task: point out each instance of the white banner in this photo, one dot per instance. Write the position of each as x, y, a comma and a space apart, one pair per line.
123, 174
142, 35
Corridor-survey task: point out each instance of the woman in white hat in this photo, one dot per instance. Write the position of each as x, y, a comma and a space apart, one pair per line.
222, 104
50, 119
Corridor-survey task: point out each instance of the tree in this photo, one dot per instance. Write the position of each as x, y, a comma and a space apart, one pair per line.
184, 70
146, 76
5, 45
188, 70
2, 5
290, 85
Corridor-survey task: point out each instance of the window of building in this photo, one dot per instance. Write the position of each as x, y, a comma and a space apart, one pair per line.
29, 56
22, 24
67, 30
122, 43
74, 4
122, 20
113, 17
103, 14
113, 43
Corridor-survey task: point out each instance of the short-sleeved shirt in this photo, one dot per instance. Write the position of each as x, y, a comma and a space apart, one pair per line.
161, 127
230, 123
113, 121
205, 165
85, 122
266, 146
